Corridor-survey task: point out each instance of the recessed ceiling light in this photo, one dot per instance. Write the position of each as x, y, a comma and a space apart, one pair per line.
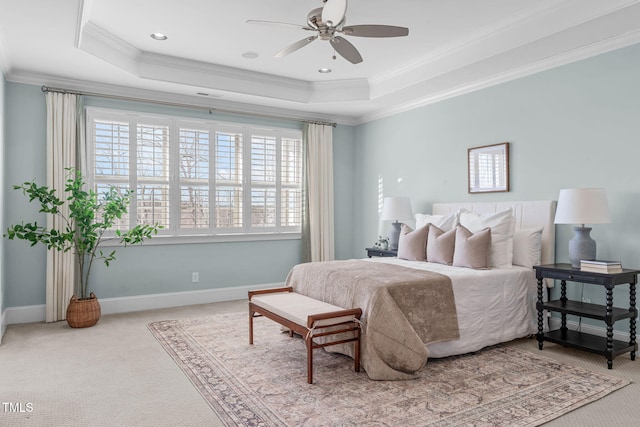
324, 70
158, 36
250, 55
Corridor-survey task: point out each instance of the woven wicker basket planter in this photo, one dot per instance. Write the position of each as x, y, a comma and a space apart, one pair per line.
83, 313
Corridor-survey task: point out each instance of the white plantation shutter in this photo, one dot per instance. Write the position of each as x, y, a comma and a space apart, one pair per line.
263, 181
291, 183
111, 142
152, 189
194, 178
229, 180
197, 177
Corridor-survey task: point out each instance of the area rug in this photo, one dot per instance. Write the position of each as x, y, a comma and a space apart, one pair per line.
265, 384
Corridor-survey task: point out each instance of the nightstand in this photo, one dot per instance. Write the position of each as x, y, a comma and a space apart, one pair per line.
381, 252
607, 313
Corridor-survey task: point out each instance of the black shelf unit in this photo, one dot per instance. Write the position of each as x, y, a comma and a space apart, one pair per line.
607, 313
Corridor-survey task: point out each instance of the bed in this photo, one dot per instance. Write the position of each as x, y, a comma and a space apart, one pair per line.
406, 321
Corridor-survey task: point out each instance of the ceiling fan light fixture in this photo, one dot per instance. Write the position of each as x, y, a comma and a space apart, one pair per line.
323, 21
158, 36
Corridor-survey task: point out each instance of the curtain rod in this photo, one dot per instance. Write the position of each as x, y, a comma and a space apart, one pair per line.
178, 104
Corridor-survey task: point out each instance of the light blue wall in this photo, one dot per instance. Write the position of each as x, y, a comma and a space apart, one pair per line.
2, 204
574, 126
147, 269
25, 153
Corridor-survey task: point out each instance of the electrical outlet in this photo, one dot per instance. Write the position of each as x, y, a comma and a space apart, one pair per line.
195, 277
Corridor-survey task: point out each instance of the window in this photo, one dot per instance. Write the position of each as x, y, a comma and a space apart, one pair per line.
198, 178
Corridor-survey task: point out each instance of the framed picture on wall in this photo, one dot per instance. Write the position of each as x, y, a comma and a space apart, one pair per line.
488, 168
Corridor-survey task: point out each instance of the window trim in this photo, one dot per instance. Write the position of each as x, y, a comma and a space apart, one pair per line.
175, 234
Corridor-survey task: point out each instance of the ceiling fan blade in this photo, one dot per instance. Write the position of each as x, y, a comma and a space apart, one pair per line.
295, 46
333, 12
282, 24
346, 49
375, 31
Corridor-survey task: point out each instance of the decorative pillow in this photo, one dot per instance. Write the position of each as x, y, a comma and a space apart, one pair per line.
443, 222
440, 245
472, 249
527, 246
412, 244
502, 225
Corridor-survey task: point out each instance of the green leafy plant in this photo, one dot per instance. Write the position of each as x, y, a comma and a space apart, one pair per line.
90, 216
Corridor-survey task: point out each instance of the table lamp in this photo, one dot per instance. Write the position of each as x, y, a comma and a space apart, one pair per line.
582, 206
396, 209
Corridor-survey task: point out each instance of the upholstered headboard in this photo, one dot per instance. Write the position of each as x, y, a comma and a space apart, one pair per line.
528, 215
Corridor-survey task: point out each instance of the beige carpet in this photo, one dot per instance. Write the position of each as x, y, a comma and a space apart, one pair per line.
265, 384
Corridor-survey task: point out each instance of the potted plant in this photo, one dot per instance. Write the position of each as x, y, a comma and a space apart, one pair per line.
89, 217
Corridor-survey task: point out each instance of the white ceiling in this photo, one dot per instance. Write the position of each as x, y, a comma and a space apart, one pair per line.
453, 47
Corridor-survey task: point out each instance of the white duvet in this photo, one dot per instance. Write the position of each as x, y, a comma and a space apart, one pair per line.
493, 306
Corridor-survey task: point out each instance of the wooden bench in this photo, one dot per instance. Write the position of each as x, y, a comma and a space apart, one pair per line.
308, 317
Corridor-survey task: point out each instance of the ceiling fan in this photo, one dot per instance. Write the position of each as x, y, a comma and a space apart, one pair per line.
329, 21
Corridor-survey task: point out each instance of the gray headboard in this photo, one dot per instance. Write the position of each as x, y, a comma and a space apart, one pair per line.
528, 215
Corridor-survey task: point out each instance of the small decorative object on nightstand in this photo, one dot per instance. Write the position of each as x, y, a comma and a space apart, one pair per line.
609, 314
381, 252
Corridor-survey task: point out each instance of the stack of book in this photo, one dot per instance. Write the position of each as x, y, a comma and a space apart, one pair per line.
597, 266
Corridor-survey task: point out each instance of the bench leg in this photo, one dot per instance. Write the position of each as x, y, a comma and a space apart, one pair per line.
251, 326
356, 351
309, 342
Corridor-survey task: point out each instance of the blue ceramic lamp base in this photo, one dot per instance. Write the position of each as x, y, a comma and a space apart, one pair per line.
582, 246
395, 235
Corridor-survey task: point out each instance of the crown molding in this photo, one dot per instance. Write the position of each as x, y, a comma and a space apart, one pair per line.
18, 76
84, 10
518, 32
575, 55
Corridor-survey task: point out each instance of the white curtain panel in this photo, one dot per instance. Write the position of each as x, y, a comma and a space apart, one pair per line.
62, 113
318, 224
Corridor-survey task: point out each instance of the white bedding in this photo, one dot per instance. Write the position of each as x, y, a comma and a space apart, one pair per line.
493, 306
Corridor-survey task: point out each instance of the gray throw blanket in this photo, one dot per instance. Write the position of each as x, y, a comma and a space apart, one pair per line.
403, 309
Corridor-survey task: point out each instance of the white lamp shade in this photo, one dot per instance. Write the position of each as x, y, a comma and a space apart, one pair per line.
582, 206
396, 209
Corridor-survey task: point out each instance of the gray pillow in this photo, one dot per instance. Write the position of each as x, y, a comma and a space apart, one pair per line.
440, 245
472, 250
412, 245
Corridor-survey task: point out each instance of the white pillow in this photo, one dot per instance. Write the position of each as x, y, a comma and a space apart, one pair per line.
443, 222
527, 247
502, 225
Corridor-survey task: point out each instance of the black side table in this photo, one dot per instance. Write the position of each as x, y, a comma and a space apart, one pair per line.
609, 314
381, 252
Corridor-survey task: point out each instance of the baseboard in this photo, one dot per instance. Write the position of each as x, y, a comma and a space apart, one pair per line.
36, 313
600, 331
25, 314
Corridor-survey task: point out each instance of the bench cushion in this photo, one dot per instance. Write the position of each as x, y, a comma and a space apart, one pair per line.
297, 308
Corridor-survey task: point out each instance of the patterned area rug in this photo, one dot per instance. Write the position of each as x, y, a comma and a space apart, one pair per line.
265, 384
